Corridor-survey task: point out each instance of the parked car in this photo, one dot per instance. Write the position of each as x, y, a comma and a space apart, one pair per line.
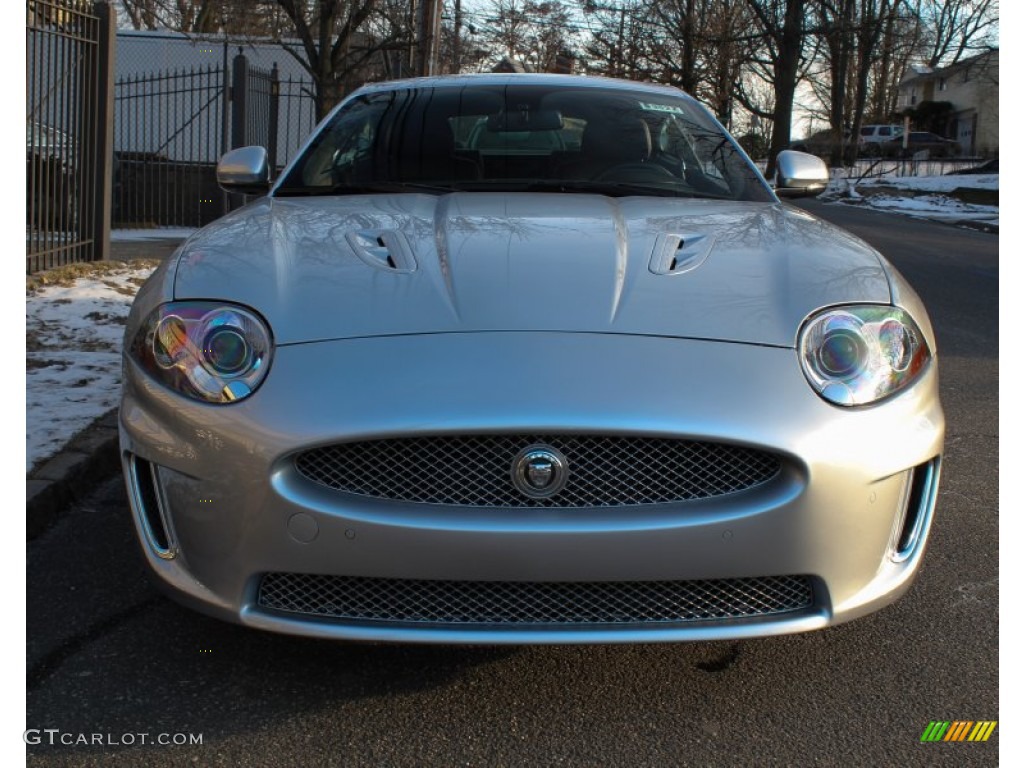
413, 395
919, 141
820, 143
872, 137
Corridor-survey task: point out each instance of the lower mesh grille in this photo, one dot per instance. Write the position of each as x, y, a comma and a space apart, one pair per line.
476, 470
519, 603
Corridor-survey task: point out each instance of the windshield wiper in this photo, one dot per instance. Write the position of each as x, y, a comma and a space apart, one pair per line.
608, 188
615, 189
364, 188
376, 187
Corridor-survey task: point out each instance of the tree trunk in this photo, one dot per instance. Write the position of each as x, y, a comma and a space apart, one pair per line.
786, 68
839, 43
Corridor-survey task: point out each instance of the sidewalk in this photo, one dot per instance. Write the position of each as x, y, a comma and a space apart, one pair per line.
126, 245
91, 455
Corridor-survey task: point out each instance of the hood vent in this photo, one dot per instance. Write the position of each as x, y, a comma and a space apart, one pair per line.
676, 254
384, 249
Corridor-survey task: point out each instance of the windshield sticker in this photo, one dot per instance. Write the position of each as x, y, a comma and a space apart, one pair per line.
662, 108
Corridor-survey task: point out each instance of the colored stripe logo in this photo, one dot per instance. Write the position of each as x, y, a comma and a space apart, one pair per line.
959, 730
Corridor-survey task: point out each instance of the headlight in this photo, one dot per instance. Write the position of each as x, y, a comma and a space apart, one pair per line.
859, 354
214, 352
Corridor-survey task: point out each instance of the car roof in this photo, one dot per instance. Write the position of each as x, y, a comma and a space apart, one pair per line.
501, 78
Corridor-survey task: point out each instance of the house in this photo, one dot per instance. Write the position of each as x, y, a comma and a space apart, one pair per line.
972, 87
509, 65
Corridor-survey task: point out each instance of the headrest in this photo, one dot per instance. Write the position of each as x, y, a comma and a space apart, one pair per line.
627, 141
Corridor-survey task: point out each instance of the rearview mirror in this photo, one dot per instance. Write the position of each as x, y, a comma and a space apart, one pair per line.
798, 174
245, 170
525, 120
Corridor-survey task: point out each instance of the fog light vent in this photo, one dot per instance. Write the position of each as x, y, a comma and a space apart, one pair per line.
145, 488
920, 504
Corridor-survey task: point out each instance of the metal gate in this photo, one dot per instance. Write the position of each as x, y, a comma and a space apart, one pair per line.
172, 127
168, 136
69, 82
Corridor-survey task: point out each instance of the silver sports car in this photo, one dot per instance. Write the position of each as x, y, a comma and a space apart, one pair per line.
528, 359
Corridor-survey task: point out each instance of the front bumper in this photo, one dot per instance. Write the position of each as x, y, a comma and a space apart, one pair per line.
235, 508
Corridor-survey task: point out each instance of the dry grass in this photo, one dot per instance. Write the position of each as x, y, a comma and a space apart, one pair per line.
65, 276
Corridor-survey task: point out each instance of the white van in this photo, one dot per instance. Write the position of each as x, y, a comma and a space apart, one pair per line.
875, 135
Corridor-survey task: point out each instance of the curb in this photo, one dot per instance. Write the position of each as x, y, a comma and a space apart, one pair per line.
92, 455
89, 459
980, 226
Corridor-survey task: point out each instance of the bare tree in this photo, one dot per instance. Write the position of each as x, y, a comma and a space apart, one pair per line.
729, 51
901, 37
836, 24
780, 27
143, 14
700, 46
681, 25
870, 26
333, 43
461, 47
957, 28
509, 27
248, 18
619, 38
867, 46
534, 33
852, 33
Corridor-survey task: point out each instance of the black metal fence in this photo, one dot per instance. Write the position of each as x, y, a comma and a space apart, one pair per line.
69, 79
168, 136
297, 114
171, 128
269, 111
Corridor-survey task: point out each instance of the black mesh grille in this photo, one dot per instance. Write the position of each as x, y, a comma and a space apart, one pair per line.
476, 470
516, 603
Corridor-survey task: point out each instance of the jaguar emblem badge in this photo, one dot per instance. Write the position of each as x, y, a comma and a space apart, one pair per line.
539, 471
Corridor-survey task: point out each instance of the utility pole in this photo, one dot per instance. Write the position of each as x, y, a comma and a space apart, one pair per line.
435, 34
428, 27
617, 56
620, 63
457, 41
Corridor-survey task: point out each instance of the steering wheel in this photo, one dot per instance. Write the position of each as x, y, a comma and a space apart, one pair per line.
637, 172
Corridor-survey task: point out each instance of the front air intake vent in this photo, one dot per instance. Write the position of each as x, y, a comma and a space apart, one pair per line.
480, 470
516, 604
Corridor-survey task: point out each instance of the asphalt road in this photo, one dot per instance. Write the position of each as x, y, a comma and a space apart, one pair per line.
107, 655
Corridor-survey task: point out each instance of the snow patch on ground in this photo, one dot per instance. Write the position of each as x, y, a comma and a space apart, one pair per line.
936, 183
935, 207
73, 354
928, 196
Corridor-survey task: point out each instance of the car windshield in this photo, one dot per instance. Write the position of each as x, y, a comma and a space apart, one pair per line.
522, 138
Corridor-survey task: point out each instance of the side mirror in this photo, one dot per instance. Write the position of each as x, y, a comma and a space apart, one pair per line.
798, 174
245, 170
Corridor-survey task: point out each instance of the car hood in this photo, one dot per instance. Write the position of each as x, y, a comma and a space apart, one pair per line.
358, 266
